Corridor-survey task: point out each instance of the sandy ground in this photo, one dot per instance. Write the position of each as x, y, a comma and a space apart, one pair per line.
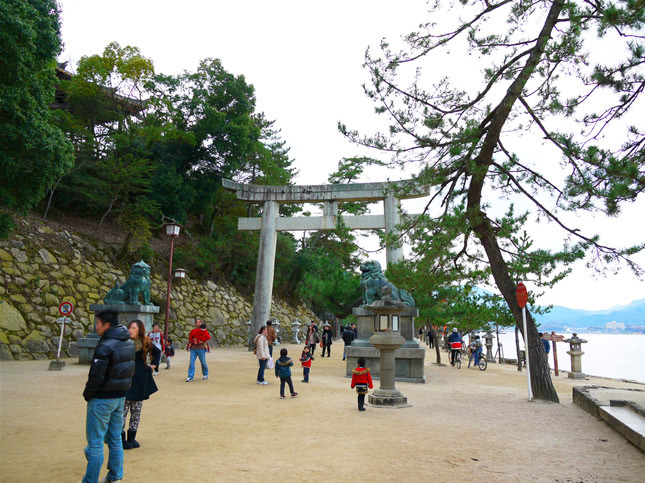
463, 424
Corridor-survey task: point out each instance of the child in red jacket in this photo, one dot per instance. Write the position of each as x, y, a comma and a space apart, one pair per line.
305, 359
361, 380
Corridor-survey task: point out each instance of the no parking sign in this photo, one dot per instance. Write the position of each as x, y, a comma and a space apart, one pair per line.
65, 308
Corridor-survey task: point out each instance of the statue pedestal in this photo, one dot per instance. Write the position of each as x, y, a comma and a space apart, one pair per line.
409, 358
127, 313
387, 394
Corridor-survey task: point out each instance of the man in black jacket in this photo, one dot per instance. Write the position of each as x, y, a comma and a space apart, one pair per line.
109, 378
348, 337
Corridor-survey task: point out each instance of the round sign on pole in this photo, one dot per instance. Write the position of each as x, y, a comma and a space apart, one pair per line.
522, 295
65, 308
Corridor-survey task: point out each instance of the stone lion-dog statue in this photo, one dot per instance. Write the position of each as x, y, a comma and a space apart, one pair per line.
373, 280
137, 284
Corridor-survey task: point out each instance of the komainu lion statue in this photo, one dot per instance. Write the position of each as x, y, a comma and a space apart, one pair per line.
138, 283
372, 280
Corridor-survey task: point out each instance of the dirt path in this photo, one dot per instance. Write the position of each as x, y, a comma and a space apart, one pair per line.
463, 424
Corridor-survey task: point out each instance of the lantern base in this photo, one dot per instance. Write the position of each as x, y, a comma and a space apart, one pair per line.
576, 375
389, 398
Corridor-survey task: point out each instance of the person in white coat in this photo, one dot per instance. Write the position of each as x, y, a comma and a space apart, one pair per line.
262, 353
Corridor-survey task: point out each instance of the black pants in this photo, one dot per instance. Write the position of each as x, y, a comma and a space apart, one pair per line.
328, 347
312, 348
453, 355
288, 381
361, 400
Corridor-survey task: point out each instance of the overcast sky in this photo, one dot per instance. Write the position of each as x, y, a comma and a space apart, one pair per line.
305, 59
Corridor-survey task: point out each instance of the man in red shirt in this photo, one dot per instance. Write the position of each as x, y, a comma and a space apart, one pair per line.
197, 339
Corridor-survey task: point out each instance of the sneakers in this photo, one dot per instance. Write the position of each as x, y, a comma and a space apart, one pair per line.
205, 377
306, 382
294, 394
105, 480
156, 373
262, 383
281, 397
189, 379
361, 409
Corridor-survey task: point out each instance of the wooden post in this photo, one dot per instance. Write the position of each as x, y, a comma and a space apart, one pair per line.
555, 354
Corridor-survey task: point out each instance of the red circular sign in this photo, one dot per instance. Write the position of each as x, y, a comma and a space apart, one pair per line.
522, 295
65, 308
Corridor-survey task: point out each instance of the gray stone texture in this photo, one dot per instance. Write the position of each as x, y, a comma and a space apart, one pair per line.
32, 286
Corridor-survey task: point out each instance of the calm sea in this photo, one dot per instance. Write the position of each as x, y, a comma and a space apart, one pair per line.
621, 356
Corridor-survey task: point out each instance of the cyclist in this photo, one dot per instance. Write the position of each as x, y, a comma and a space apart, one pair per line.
453, 337
476, 349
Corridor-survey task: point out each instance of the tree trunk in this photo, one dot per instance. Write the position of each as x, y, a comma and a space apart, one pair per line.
51, 195
436, 346
540, 377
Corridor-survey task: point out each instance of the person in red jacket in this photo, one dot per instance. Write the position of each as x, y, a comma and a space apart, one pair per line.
198, 340
361, 380
305, 358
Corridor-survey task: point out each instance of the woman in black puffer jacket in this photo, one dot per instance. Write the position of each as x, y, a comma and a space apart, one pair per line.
143, 384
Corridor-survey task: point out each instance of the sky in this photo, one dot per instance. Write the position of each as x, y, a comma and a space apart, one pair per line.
305, 61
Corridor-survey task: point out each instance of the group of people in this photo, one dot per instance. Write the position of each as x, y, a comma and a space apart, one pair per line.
126, 359
120, 379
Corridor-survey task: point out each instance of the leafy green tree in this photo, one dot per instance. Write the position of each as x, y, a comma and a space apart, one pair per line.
539, 78
32, 151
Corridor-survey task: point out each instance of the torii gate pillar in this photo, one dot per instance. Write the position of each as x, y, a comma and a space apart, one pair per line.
266, 265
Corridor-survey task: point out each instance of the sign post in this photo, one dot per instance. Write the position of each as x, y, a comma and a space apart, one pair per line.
522, 298
65, 309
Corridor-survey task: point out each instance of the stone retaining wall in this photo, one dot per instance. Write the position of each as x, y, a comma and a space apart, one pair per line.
41, 268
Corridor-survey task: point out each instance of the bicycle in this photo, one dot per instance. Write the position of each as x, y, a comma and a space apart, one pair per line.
483, 364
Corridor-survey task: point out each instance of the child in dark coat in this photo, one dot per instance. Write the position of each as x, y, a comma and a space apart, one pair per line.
169, 352
305, 359
283, 371
361, 380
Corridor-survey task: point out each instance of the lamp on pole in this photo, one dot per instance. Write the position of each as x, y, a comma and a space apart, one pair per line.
172, 230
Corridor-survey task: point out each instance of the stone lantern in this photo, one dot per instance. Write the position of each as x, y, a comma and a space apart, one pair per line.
488, 338
295, 328
387, 339
576, 356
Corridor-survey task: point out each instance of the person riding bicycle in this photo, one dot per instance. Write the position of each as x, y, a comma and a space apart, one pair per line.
453, 338
476, 348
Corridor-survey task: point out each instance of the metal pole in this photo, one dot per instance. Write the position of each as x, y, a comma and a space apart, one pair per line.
555, 354
165, 327
526, 354
60, 341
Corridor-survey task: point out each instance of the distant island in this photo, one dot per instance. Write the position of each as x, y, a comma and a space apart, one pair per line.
620, 319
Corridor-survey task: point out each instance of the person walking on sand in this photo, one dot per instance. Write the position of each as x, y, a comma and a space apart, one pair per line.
262, 352
156, 337
109, 378
362, 381
312, 338
327, 339
271, 336
348, 337
283, 371
169, 351
198, 340
143, 384
305, 359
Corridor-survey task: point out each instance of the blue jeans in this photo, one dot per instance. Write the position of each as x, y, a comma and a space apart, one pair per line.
477, 354
103, 424
194, 354
263, 365
305, 373
271, 350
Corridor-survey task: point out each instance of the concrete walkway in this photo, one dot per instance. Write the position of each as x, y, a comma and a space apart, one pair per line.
463, 424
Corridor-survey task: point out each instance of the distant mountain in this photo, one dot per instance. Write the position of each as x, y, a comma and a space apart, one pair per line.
632, 314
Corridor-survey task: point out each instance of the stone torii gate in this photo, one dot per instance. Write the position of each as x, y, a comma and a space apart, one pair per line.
329, 196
